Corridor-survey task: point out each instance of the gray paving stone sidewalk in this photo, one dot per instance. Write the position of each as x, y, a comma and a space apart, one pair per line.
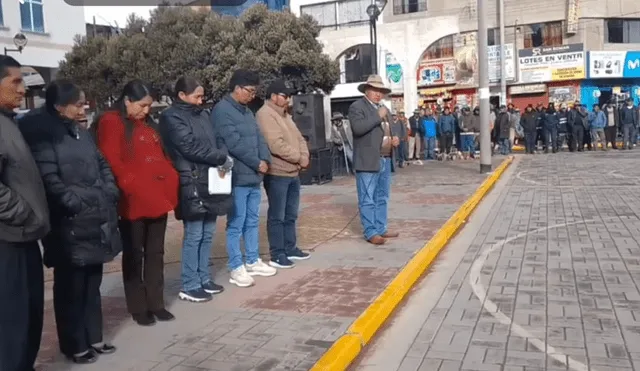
288, 321
544, 277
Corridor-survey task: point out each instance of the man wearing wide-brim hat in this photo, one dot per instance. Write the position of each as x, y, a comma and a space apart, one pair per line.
375, 142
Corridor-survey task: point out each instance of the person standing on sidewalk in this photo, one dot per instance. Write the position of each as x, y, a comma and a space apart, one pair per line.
414, 136
374, 153
629, 123
190, 141
129, 140
528, 121
598, 122
401, 127
613, 118
83, 196
24, 219
429, 126
289, 154
446, 130
238, 130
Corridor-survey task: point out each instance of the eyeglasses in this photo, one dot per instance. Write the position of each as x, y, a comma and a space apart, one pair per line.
251, 92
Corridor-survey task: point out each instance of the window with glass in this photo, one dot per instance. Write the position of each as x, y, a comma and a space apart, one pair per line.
325, 14
32, 15
622, 31
1, 15
353, 13
543, 34
442, 48
409, 6
493, 36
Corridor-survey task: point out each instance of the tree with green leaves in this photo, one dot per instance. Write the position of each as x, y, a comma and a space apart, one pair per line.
180, 41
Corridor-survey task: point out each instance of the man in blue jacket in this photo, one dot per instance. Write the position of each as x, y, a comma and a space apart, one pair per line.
237, 128
598, 121
446, 129
429, 126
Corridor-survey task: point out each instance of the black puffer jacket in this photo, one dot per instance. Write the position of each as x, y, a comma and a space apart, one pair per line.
80, 188
528, 121
190, 140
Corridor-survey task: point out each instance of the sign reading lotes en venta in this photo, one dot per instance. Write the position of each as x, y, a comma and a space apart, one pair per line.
553, 63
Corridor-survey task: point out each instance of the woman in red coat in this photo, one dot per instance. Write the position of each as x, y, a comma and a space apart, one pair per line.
148, 184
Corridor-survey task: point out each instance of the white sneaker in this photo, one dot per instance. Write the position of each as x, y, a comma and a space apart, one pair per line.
259, 268
241, 278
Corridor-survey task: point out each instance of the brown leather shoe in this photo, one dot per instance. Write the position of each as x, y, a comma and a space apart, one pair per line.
388, 234
377, 240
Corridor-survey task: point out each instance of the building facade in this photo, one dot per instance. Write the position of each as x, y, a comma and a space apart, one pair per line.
555, 51
50, 28
236, 7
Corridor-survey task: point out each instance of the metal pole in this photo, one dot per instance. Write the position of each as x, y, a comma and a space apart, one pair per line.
503, 59
483, 91
375, 46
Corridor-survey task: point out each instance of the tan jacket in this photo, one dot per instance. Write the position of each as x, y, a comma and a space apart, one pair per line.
287, 146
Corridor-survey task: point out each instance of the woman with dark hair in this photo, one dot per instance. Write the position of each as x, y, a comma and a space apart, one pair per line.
148, 183
82, 197
191, 142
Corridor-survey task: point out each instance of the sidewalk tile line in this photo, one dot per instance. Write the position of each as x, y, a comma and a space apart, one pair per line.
345, 350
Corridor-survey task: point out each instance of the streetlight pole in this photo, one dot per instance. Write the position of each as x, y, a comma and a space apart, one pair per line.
374, 11
483, 91
503, 57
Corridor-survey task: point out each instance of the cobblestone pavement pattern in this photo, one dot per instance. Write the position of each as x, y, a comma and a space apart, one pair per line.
546, 279
288, 321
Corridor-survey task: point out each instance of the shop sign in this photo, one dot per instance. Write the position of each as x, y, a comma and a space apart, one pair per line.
394, 74
563, 94
527, 89
573, 16
555, 63
495, 65
613, 64
437, 72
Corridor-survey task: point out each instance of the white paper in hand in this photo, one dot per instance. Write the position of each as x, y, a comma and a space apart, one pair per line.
219, 185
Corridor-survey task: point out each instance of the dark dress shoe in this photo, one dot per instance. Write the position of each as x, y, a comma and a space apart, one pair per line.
163, 315
88, 357
105, 349
144, 319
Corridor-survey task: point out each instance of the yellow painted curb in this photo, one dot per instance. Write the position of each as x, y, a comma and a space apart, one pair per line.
345, 350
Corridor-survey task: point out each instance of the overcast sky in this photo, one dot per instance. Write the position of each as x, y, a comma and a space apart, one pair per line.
113, 15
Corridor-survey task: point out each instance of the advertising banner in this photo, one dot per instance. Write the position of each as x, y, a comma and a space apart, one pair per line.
437, 72
466, 59
555, 63
394, 74
495, 63
613, 64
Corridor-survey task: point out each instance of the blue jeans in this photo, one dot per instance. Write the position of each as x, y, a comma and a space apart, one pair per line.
283, 193
468, 143
429, 148
243, 221
373, 197
196, 250
505, 145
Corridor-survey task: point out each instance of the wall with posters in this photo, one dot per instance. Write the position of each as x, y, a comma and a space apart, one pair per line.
436, 72
556, 63
495, 63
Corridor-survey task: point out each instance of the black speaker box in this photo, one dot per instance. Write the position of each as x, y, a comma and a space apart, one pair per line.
308, 114
320, 168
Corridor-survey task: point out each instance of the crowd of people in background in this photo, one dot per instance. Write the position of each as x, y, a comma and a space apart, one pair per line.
437, 132
84, 194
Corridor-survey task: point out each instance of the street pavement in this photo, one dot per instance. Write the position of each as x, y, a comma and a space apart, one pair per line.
288, 321
543, 277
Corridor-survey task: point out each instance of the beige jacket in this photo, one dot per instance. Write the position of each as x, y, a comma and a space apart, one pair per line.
287, 146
